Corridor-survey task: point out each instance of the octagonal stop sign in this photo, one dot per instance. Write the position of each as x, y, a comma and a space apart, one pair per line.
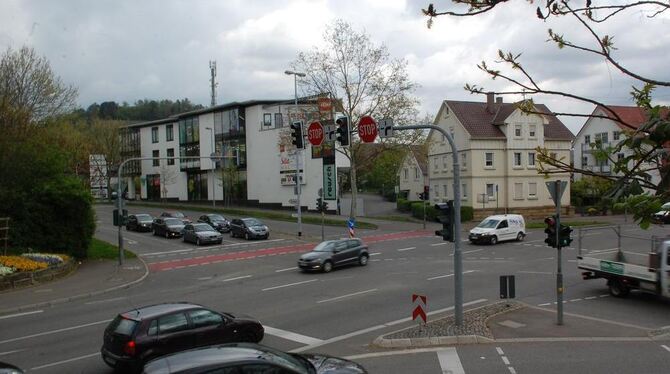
315, 133
367, 129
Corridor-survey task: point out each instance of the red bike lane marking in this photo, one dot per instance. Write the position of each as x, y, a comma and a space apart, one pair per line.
205, 260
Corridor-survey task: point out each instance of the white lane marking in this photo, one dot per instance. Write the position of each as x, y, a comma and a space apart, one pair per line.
406, 249
10, 352
500, 351
574, 300
590, 297
65, 361
287, 269
544, 304
104, 301
375, 254
54, 331
348, 295
21, 314
505, 360
535, 272
511, 370
204, 278
377, 327
288, 285
472, 251
376, 260
436, 244
288, 335
164, 252
236, 278
449, 361
665, 347
450, 275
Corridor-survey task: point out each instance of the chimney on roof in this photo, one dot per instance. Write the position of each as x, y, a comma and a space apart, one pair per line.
489, 102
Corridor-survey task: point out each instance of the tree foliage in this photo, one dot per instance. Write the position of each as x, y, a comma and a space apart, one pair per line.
141, 110
365, 79
649, 142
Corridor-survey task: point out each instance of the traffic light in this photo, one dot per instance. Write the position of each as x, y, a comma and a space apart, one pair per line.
550, 230
296, 135
321, 205
343, 134
120, 219
426, 195
564, 238
445, 214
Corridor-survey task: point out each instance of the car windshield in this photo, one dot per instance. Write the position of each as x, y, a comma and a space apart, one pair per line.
203, 227
252, 222
143, 217
665, 206
122, 326
177, 215
173, 221
324, 247
216, 218
488, 224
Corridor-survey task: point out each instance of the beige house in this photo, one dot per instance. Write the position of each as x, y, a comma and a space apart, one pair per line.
413, 172
497, 154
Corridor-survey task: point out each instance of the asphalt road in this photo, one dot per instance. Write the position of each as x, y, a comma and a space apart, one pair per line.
340, 313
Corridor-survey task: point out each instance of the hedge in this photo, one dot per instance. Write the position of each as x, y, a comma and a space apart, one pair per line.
467, 212
405, 205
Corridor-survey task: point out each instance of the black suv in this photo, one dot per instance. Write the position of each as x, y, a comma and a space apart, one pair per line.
217, 221
139, 222
331, 253
248, 228
168, 227
140, 335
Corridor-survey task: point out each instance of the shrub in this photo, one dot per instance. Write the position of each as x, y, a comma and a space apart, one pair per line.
405, 205
417, 211
467, 213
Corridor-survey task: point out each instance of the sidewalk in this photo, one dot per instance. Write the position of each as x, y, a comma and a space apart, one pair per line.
91, 278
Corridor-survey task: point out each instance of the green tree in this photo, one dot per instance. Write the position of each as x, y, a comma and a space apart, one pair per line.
366, 81
648, 143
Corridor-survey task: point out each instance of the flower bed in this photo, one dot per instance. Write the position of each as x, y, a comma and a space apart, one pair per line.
50, 259
33, 268
20, 263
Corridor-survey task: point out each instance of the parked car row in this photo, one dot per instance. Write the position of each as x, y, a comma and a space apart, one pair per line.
208, 229
188, 338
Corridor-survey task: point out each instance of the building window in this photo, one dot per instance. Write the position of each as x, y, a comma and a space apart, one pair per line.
405, 173
517, 131
585, 161
279, 120
464, 160
169, 133
489, 160
154, 134
445, 190
620, 156
156, 154
464, 191
517, 159
532, 190
489, 191
444, 163
531, 158
616, 135
267, 119
437, 191
531, 131
170, 153
518, 191
417, 175
601, 138
437, 167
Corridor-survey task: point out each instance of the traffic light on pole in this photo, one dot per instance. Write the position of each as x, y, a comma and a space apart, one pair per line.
550, 230
296, 135
445, 214
564, 238
321, 205
343, 135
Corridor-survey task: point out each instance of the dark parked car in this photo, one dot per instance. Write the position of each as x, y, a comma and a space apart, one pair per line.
663, 215
139, 335
167, 227
331, 253
174, 214
248, 228
245, 358
217, 221
201, 233
139, 222
6, 368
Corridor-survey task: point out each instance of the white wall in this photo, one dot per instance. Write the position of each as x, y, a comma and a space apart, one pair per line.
412, 184
177, 189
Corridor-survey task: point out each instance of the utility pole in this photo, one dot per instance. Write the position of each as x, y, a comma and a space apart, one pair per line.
212, 81
298, 152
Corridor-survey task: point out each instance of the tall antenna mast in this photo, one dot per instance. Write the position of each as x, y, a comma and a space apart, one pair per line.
212, 69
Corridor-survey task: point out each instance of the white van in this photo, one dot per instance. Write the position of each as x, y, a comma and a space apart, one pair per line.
498, 228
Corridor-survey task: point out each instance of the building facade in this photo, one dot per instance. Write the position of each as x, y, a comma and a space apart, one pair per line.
496, 143
413, 173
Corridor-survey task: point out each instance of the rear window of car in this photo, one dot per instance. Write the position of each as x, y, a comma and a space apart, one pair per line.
122, 326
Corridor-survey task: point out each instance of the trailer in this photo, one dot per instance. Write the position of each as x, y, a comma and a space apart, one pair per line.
628, 270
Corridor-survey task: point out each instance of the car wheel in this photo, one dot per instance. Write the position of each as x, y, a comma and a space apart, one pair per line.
618, 288
246, 236
493, 240
267, 236
520, 237
197, 241
363, 260
327, 267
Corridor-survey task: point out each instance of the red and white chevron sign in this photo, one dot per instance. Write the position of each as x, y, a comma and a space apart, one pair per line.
421, 304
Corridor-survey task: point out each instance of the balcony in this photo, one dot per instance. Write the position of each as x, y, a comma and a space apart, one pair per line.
586, 148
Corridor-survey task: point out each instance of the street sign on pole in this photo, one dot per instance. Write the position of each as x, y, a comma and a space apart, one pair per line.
315, 133
325, 104
367, 129
329, 131
385, 128
552, 187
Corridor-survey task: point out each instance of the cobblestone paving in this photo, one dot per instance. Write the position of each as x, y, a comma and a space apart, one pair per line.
474, 323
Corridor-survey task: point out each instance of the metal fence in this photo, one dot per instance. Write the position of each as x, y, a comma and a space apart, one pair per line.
590, 240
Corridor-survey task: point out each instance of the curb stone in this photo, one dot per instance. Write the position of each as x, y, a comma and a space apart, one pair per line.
80, 296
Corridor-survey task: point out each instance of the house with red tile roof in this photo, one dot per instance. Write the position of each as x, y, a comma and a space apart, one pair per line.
496, 143
602, 133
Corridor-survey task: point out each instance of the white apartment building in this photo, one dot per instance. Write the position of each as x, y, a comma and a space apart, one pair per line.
258, 165
497, 144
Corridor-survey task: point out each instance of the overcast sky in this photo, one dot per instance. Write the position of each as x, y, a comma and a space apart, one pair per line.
126, 50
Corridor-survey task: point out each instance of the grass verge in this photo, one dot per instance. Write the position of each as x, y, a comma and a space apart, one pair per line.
100, 250
395, 218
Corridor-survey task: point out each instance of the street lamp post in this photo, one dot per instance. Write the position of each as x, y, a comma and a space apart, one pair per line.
211, 130
297, 151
